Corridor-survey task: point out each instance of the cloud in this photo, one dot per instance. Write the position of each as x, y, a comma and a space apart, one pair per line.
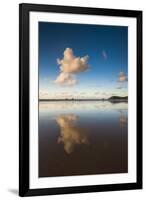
65, 79
104, 93
64, 93
97, 93
122, 77
43, 94
122, 81
104, 55
119, 87
101, 94
70, 65
70, 134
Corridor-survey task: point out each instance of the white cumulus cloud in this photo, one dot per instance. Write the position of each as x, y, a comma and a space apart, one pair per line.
65, 79
70, 65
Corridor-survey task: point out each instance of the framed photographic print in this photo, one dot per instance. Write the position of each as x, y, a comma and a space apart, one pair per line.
80, 100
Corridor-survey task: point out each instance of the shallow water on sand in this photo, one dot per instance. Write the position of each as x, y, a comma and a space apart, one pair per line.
80, 138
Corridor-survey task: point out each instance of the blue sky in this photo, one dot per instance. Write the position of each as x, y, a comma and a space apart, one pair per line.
92, 60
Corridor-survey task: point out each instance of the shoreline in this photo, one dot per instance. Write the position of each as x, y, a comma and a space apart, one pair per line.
75, 100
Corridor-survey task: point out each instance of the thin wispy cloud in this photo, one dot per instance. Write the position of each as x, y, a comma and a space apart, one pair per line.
104, 55
69, 66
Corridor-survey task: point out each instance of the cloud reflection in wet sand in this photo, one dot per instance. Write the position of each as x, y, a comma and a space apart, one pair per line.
123, 120
70, 134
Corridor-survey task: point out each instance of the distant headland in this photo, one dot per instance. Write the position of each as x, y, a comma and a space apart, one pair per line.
118, 99
112, 99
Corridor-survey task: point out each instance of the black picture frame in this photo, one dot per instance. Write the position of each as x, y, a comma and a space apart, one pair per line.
24, 10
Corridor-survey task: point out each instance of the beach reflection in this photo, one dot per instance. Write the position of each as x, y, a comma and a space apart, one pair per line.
70, 134
71, 105
123, 119
80, 138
